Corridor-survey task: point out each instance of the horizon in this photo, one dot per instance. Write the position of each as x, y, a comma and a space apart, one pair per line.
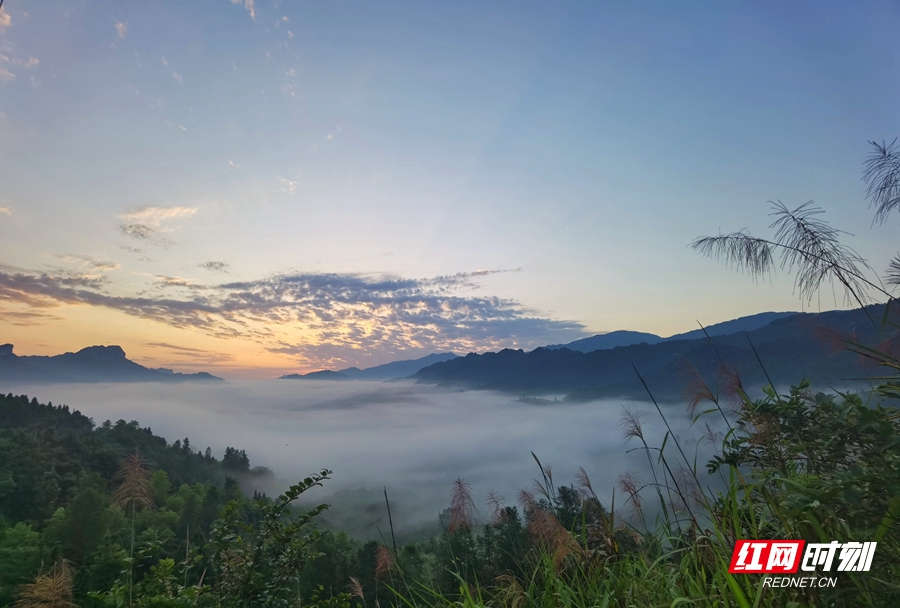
260, 377
253, 189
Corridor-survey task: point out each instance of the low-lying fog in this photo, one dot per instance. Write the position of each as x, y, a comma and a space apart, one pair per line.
413, 439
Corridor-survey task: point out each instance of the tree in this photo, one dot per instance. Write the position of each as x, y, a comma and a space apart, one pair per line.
236, 460
19, 558
260, 564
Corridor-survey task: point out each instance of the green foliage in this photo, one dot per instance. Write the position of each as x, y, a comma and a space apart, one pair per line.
259, 564
236, 460
45, 450
19, 558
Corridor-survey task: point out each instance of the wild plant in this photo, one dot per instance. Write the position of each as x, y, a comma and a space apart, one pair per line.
53, 589
134, 490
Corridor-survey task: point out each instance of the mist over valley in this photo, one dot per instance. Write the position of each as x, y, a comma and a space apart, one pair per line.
413, 439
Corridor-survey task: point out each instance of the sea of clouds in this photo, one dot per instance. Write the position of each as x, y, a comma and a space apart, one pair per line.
412, 439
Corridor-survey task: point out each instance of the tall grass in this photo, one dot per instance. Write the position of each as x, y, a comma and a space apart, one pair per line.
784, 472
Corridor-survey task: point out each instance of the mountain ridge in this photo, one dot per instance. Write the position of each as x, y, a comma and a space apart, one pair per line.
791, 348
627, 338
385, 371
88, 365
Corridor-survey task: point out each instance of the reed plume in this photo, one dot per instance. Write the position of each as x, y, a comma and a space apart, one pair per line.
462, 507
527, 500
686, 482
712, 436
696, 390
806, 244
384, 562
510, 591
50, 590
584, 484
882, 177
730, 386
632, 423
629, 483
551, 535
495, 505
356, 589
542, 490
135, 489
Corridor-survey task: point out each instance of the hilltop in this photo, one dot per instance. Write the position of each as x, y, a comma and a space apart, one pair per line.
627, 338
91, 364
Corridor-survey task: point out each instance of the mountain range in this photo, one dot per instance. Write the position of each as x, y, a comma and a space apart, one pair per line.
784, 351
387, 371
91, 364
782, 346
409, 367
627, 338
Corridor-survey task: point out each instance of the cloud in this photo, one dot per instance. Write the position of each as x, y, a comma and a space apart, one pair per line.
140, 253
83, 261
233, 165
215, 266
154, 216
352, 428
249, 5
146, 224
185, 349
177, 77
6, 75
288, 185
5, 211
343, 317
144, 232
27, 318
49, 291
193, 354
5, 19
25, 63
164, 281
121, 29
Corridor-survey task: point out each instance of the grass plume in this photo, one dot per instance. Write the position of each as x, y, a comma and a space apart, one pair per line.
462, 506
51, 590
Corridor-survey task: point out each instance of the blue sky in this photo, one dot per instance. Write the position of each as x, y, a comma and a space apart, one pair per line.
182, 167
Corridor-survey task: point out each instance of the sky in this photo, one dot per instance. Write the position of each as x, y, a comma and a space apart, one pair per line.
255, 187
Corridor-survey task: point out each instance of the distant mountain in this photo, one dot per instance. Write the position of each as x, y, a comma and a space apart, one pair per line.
325, 374
628, 338
91, 364
387, 371
396, 369
791, 348
610, 340
734, 326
